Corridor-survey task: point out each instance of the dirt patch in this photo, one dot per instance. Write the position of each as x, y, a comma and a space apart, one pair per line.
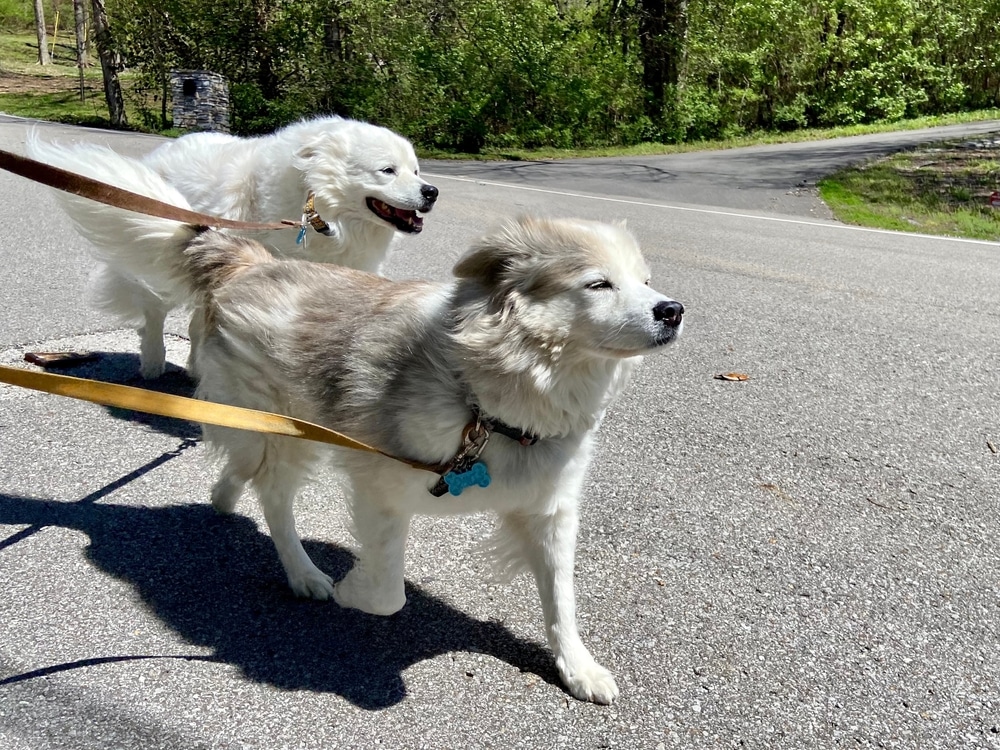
22, 83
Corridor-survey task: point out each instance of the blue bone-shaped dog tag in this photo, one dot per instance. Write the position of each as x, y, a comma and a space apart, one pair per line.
301, 235
459, 480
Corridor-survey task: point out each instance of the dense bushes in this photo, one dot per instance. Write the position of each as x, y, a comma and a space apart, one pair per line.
15, 15
473, 74
485, 73
777, 64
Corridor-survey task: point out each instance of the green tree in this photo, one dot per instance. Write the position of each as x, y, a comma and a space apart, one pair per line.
474, 74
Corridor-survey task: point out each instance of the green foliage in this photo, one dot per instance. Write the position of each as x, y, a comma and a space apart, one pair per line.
785, 64
264, 47
16, 15
475, 75
484, 73
253, 114
19, 15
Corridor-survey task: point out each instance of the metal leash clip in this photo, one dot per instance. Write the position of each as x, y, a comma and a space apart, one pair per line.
465, 469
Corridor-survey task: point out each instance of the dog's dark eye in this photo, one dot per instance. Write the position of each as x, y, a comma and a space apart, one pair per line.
647, 282
388, 170
598, 285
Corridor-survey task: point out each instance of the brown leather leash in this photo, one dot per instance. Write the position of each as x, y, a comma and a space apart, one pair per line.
153, 402
110, 195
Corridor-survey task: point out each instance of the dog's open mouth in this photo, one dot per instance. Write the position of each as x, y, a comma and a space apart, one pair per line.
403, 220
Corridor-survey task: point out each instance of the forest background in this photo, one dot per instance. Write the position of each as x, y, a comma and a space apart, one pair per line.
469, 75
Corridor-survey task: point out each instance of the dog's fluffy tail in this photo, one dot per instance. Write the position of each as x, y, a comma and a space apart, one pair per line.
213, 258
146, 248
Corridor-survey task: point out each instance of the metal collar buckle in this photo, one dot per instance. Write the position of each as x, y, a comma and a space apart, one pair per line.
311, 216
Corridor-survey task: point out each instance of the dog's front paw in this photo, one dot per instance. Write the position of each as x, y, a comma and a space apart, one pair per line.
311, 584
354, 593
152, 353
152, 367
589, 682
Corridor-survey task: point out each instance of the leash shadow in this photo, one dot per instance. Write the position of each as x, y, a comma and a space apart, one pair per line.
215, 580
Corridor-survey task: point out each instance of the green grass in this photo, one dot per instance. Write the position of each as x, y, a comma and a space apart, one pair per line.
52, 92
58, 107
19, 54
942, 189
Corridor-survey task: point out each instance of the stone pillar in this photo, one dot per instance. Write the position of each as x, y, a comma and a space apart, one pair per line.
201, 100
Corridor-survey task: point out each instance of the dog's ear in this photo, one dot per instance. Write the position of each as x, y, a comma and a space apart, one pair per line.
483, 263
323, 146
495, 254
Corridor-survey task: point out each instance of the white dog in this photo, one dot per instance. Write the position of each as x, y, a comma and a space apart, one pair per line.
354, 183
498, 380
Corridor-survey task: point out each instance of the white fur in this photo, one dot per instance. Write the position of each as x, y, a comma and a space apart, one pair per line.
541, 328
343, 162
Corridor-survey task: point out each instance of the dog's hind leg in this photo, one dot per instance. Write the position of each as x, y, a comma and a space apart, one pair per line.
228, 488
277, 482
134, 302
196, 335
244, 451
547, 544
152, 350
375, 583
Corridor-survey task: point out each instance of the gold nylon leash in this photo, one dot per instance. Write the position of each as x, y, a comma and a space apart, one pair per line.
181, 407
110, 195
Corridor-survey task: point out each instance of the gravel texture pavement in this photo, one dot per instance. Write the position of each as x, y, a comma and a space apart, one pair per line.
808, 558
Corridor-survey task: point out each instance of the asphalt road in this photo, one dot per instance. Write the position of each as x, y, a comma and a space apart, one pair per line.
806, 559
779, 179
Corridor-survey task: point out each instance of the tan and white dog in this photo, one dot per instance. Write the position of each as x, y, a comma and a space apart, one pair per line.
535, 336
359, 185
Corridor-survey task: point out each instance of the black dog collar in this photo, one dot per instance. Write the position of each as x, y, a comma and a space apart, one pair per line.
512, 433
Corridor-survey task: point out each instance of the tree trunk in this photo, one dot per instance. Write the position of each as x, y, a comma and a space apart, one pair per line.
43, 37
80, 16
267, 80
110, 65
662, 29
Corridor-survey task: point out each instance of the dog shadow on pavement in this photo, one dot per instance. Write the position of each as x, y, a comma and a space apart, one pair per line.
122, 368
216, 581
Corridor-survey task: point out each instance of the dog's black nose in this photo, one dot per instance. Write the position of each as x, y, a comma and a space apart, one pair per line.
429, 192
668, 313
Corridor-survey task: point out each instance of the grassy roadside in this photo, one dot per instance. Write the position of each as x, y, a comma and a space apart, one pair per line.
942, 189
52, 92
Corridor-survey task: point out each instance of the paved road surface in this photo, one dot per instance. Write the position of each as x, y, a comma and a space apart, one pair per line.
806, 559
778, 178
